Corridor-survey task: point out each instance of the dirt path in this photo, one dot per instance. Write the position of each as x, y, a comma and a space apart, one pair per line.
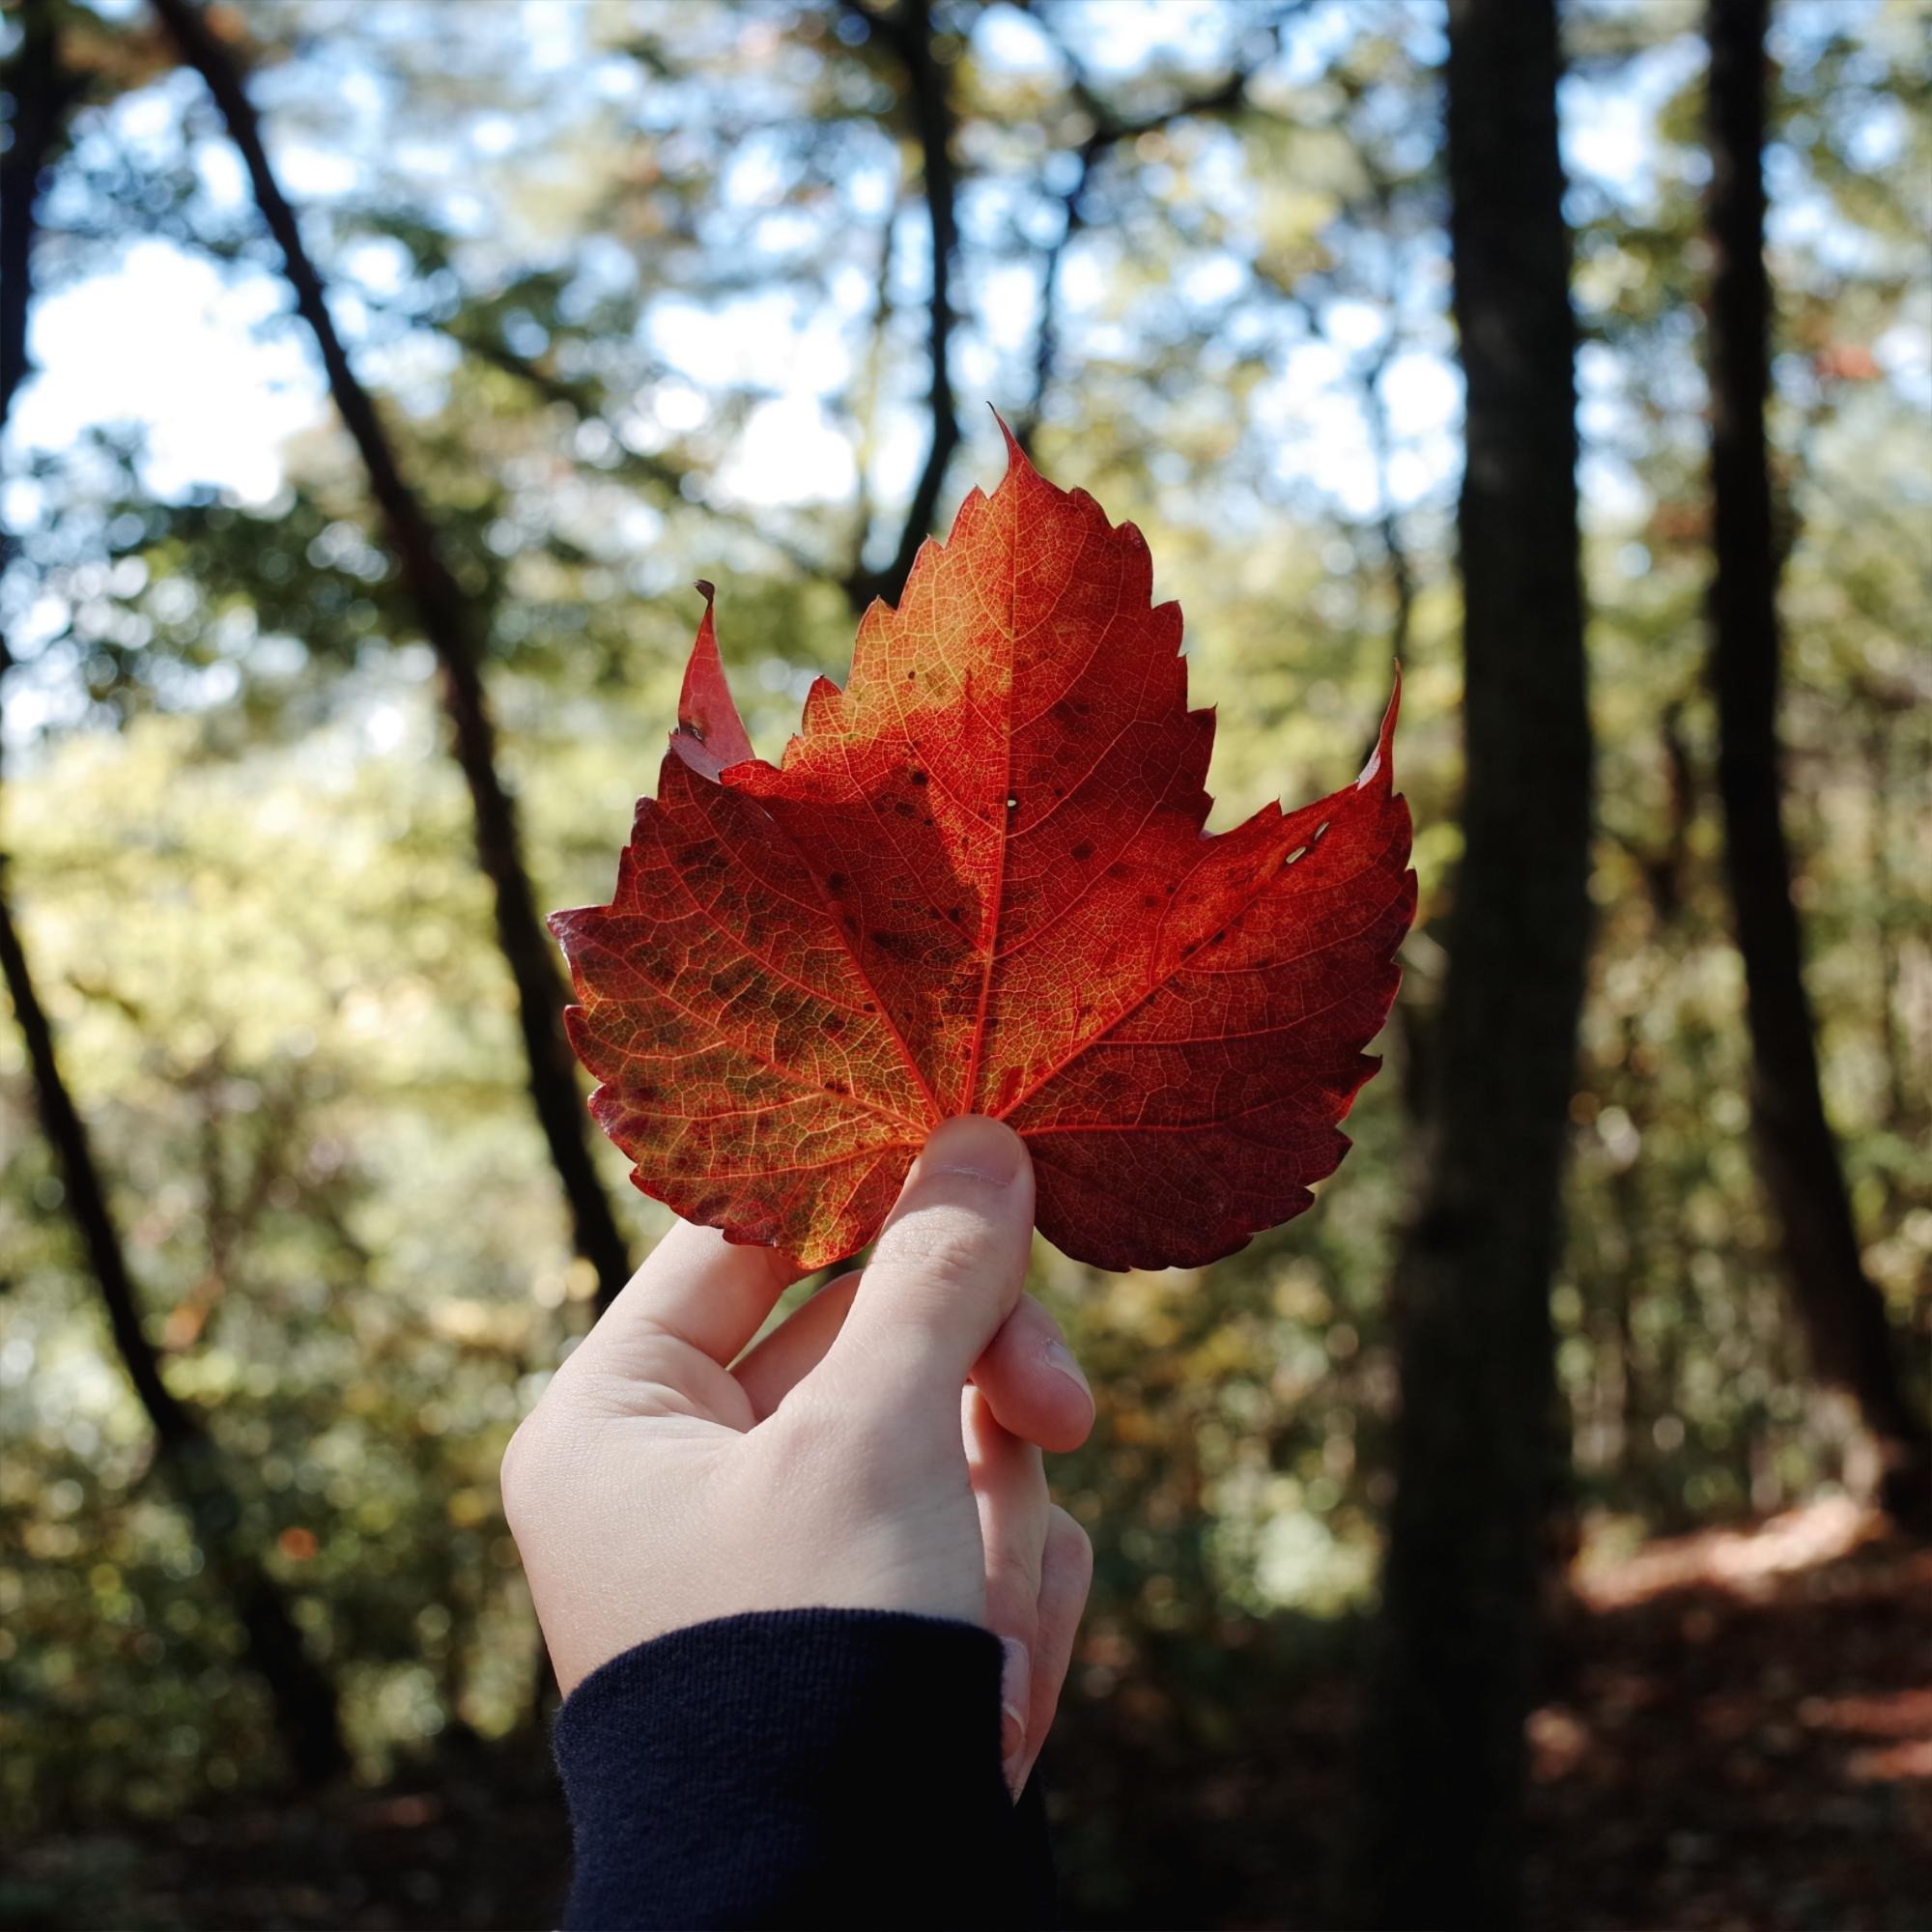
1740, 1735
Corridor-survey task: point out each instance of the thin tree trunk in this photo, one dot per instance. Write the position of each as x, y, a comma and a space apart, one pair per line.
1451, 1682
39, 96
303, 1695
1841, 1309
449, 626
908, 31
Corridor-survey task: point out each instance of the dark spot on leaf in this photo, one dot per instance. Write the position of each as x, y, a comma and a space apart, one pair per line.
1082, 852
835, 882
921, 778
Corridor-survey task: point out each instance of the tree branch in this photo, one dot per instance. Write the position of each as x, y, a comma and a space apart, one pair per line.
1842, 1309
1108, 131
40, 94
1388, 524
587, 405
452, 628
866, 411
929, 101
301, 1694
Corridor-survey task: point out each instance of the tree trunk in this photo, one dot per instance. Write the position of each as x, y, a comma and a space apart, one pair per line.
1451, 1679
450, 627
928, 98
1841, 1309
302, 1697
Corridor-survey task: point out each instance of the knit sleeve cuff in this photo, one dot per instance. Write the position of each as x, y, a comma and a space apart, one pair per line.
795, 1768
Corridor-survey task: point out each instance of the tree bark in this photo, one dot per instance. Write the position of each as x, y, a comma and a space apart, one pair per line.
1451, 1681
450, 627
300, 1693
908, 31
1839, 1306
39, 96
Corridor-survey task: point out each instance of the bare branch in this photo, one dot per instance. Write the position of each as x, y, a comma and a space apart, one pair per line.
301, 1694
586, 403
1108, 130
866, 411
1388, 524
908, 31
452, 628
1801, 1167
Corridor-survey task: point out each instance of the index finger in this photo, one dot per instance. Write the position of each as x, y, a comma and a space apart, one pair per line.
696, 1288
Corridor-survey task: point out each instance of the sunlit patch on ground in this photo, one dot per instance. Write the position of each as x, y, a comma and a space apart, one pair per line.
1745, 1562
1738, 1731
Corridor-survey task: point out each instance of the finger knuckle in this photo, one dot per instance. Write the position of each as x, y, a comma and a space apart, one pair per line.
1067, 1540
805, 1426
527, 1474
941, 1246
516, 1475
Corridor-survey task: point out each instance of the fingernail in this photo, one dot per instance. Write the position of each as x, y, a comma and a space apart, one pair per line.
1016, 1693
1059, 1356
974, 1146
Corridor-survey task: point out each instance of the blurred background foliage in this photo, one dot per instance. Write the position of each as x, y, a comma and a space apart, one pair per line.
643, 289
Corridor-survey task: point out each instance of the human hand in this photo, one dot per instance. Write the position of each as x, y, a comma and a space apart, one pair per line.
878, 1450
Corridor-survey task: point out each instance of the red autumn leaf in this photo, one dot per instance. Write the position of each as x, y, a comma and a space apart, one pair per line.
978, 881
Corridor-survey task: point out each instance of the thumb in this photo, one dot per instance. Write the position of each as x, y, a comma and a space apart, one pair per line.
947, 1272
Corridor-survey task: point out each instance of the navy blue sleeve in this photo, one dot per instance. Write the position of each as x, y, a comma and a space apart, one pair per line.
799, 1768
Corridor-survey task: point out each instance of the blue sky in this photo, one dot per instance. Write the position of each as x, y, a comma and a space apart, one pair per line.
199, 358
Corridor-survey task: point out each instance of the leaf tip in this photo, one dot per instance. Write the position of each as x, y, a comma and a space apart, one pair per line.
1378, 765
1017, 460
710, 736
